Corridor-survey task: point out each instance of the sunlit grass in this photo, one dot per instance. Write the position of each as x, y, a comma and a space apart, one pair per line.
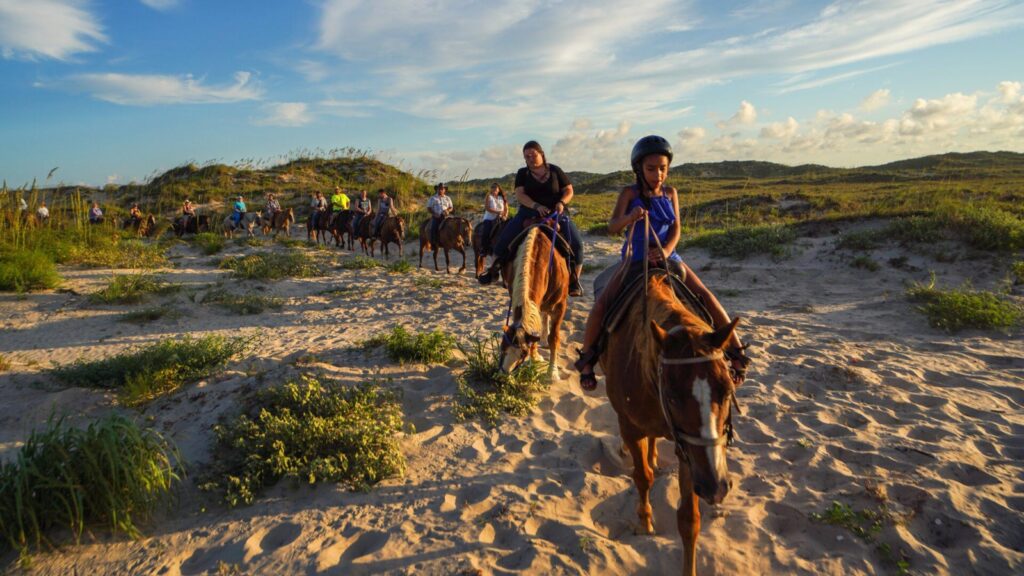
960, 308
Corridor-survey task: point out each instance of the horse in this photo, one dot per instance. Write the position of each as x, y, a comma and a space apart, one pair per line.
249, 222
323, 227
667, 377
341, 229
454, 234
539, 292
479, 251
391, 230
280, 220
364, 233
142, 226
195, 225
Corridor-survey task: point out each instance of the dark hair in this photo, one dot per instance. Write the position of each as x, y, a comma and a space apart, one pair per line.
533, 144
501, 192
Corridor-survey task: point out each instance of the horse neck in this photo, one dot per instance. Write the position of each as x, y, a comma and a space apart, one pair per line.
529, 281
664, 308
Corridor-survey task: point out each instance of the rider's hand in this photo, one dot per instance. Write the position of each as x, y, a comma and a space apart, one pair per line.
637, 213
543, 210
559, 207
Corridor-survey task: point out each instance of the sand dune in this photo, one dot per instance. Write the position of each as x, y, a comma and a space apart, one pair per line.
852, 397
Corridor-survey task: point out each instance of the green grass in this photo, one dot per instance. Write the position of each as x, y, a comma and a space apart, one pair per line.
28, 270
915, 230
1017, 272
361, 262
151, 314
428, 282
743, 241
867, 525
862, 240
209, 242
402, 346
243, 303
272, 265
399, 267
132, 288
485, 392
865, 263
309, 431
142, 374
345, 292
985, 226
112, 473
290, 242
960, 308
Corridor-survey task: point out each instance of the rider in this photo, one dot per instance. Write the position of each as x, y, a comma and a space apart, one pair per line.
319, 206
272, 208
188, 211
439, 206
385, 208
649, 196
541, 189
495, 210
239, 211
95, 213
42, 213
363, 208
134, 215
339, 202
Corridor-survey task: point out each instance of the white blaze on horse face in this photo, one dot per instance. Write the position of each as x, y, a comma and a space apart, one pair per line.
709, 426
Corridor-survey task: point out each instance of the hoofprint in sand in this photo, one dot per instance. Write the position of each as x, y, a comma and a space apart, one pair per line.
852, 398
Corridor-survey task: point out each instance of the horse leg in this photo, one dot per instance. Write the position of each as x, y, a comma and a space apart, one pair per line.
463, 252
643, 477
447, 268
652, 452
555, 339
688, 517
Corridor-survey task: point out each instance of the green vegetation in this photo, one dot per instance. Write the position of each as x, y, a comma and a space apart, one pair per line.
956, 309
399, 267
209, 242
243, 303
428, 282
311, 432
985, 226
402, 346
862, 240
744, 241
1017, 272
360, 262
866, 525
865, 263
151, 314
487, 393
112, 473
29, 270
142, 374
272, 265
132, 288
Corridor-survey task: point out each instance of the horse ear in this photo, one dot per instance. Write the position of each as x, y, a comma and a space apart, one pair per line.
720, 337
659, 334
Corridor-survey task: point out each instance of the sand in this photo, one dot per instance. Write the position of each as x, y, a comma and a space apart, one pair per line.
852, 398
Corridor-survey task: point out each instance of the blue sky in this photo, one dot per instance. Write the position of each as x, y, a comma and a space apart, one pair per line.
117, 91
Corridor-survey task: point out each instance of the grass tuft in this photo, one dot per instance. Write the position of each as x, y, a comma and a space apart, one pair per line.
28, 270
956, 309
272, 265
428, 282
112, 473
866, 525
488, 393
399, 267
743, 241
151, 314
309, 432
209, 242
986, 227
360, 262
131, 288
1017, 272
143, 374
243, 303
403, 346
865, 263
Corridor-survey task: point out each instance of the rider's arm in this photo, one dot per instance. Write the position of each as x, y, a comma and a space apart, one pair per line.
620, 219
525, 200
674, 229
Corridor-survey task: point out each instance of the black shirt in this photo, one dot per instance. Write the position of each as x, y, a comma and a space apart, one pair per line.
548, 193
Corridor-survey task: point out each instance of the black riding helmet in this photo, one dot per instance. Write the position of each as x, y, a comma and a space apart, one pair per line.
646, 146
440, 185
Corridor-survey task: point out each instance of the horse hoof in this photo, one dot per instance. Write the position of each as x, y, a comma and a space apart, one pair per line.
642, 530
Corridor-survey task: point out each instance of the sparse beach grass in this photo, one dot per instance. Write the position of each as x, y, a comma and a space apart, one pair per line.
744, 241
402, 346
272, 265
209, 242
309, 431
142, 374
132, 288
27, 271
243, 304
360, 262
959, 308
151, 314
399, 267
111, 473
487, 393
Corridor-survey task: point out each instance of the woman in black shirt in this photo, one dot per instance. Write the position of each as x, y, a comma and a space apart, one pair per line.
541, 189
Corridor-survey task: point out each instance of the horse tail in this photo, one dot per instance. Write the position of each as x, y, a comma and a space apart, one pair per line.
525, 268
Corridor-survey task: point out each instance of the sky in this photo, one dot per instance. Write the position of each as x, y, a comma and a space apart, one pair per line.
119, 91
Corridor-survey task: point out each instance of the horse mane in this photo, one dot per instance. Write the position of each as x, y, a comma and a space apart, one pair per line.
665, 309
521, 281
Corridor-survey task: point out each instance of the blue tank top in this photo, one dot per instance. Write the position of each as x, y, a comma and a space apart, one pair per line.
662, 215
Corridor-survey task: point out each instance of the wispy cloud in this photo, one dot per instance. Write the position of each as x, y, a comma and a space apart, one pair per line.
797, 83
161, 4
875, 100
153, 89
289, 114
56, 29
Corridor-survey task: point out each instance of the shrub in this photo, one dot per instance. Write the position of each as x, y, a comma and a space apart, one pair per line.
865, 263
312, 432
915, 230
399, 267
986, 227
861, 240
402, 346
27, 270
361, 262
744, 241
143, 374
1017, 272
111, 473
209, 242
272, 266
956, 309
486, 392
131, 288
243, 303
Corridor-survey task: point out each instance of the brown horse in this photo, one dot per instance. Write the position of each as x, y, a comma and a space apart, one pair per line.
322, 230
482, 246
667, 377
538, 280
342, 230
280, 220
392, 230
364, 233
455, 234
142, 226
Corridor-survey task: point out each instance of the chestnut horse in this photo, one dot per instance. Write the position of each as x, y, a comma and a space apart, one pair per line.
538, 280
280, 220
479, 242
392, 230
341, 227
364, 232
322, 230
455, 234
667, 377
142, 226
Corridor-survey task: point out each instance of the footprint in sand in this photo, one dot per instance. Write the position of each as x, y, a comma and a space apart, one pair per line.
348, 550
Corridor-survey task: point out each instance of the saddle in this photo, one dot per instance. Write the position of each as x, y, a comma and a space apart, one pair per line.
632, 287
561, 244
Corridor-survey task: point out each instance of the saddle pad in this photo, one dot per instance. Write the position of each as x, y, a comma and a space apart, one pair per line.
632, 287
561, 245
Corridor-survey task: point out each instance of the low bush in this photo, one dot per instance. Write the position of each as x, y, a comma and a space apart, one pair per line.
243, 303
1017, 272
399, 267
865, 263
956, 309
209, 242
743, 241
486, 392
361, 262
272, 265
985, 227
403, 346
112, 473
27, 270
861, 240
309, 431
131, 288
143, 374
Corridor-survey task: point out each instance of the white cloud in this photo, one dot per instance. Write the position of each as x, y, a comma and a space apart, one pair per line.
692, 134
288, 114
153, 89
1009, 91
875, 100
56, 29
746, 115
781, 130
930, 116
161, 4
